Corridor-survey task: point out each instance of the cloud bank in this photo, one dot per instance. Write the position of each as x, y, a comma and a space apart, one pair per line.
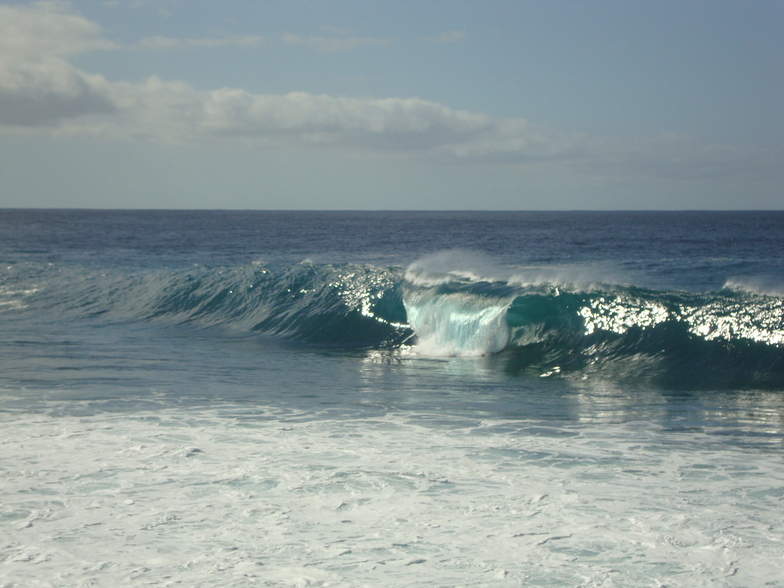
41, 90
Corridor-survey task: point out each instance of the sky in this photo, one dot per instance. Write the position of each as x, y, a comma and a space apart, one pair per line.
392, 104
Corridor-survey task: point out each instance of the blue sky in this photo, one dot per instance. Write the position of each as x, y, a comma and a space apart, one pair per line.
450, 104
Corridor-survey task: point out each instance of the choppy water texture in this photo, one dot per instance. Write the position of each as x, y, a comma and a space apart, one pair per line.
273, 398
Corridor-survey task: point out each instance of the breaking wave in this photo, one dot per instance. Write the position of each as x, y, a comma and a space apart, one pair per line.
543, 324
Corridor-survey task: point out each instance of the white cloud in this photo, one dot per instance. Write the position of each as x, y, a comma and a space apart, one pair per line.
157, 5
448, 37
160, 42
45, 30
37, 85
46, 93
175, 112
334, 44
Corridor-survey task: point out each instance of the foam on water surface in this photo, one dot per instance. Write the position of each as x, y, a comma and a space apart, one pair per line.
226, 497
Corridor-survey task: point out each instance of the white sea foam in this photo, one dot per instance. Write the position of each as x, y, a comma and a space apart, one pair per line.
214, 499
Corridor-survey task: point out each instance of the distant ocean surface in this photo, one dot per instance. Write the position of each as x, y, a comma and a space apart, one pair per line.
208, 398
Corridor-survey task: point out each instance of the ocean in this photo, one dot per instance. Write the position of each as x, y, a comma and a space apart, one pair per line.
251, 398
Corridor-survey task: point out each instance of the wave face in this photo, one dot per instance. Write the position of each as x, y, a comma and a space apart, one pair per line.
350, 306
545, 325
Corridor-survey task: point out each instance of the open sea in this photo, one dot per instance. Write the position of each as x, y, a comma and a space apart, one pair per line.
237, 399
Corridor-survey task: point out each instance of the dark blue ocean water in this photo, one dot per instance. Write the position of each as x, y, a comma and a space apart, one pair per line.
505, 326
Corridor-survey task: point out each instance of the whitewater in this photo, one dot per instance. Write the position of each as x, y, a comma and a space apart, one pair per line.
351, 399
